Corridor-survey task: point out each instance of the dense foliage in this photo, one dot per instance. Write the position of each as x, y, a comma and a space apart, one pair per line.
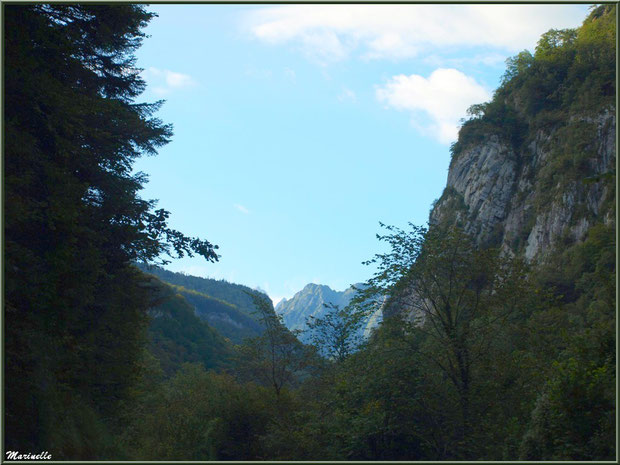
276, 358
571, 72
177, 335
484, 359
73, 222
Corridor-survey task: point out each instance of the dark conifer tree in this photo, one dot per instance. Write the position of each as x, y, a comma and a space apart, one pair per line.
74, 222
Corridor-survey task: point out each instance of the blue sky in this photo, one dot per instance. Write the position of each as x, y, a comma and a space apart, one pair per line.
297, 128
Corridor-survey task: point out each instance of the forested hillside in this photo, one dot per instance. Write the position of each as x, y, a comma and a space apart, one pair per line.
498, 340
227, 307
176, 335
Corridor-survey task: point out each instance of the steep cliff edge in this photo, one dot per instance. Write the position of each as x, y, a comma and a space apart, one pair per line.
534, 169
518, 198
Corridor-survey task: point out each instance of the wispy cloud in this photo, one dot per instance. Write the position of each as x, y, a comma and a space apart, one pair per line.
333, 32
164, 81
347, 95
266, 288
241, 208
442, 99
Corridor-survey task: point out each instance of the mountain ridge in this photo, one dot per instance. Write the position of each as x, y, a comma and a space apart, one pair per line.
310, 302
227, 307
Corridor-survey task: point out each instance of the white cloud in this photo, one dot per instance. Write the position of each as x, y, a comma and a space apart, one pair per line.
241, 208
391, 44
332, 32
442, 98
177, 79
164, 80
266, 288
347, 95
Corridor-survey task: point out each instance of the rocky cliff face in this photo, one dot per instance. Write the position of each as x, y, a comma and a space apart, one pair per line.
527, 200
534, 168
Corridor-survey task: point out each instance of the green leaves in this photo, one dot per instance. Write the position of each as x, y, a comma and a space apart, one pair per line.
393, 266
573, 418
199, 415
74, 221
571, 72
336, 333
276, 358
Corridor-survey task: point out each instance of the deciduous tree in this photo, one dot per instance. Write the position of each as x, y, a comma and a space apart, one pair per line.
276, 357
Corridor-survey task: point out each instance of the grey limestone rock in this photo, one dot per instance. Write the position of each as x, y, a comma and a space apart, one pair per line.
504, 201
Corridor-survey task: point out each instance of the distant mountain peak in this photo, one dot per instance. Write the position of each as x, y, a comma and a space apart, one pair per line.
316, 286
311, 300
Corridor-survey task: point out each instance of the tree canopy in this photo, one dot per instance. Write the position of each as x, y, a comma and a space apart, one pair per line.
74, 220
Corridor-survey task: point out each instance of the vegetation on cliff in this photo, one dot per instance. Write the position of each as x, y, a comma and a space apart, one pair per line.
534, 168
572, 71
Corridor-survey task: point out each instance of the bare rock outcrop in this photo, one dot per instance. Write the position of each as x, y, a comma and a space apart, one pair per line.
527, 200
